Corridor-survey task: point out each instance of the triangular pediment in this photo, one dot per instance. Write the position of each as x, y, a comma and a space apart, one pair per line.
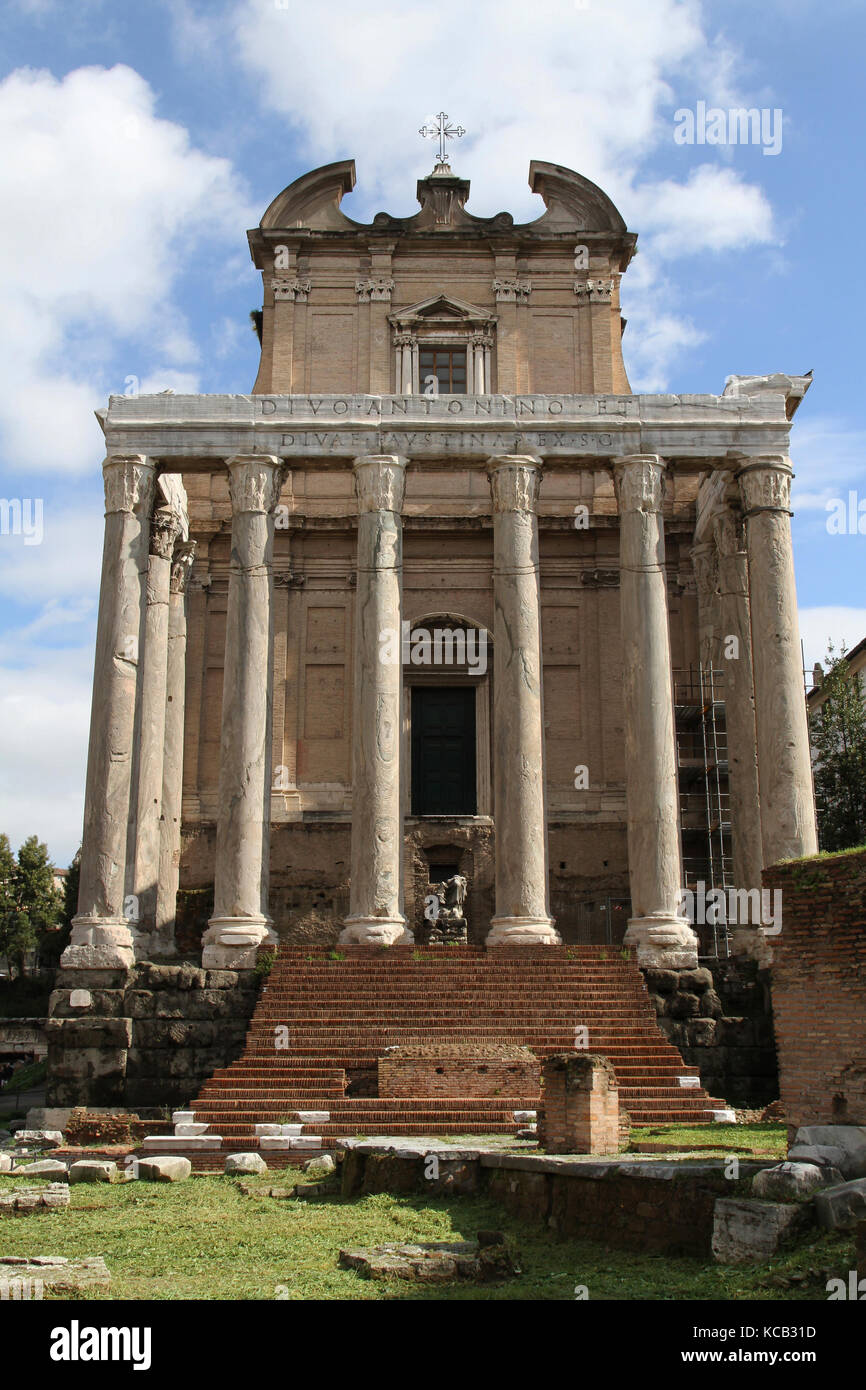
443, 306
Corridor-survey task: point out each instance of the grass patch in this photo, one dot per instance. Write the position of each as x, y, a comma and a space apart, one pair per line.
768, 1138
204, 1239
26, 1078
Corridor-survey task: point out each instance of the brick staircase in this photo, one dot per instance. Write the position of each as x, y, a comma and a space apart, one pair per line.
341, 1014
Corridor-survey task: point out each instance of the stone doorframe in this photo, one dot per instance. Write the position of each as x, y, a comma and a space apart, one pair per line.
451, 675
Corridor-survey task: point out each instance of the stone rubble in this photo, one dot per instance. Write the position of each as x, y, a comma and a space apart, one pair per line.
168, 1168
92, 1170
245, 1163
748, 1231
843, 1207
57, 1273
19, 1201
786, 1182
484, 1260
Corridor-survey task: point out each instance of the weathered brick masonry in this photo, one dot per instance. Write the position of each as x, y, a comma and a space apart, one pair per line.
819, 988
459, 1069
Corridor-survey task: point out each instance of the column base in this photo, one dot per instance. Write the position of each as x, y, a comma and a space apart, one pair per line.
231, 943
375, 931
99, 943
523, 931
663, 943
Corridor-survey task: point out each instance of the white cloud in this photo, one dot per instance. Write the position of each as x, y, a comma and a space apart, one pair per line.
593, 88
44, 718
65, 566
829, 459
712, 211
832, 622
106, 203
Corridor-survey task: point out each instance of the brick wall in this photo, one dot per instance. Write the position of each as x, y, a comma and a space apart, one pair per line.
580, 1105
459, 1071
819, 988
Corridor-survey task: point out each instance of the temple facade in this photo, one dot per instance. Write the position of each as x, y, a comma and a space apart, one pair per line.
441, 600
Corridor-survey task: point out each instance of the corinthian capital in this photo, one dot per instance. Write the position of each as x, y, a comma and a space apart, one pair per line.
380, 481
181, 565
765, 484
130, 482
514, 483
165, 527
254, 482
640, 483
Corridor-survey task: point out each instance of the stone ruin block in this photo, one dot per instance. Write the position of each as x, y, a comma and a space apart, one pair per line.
580, 1106
27, 1277
747, 1231
485, 1260
21, 1201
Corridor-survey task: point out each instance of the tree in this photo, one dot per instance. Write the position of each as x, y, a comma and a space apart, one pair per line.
838, 736
52, 944
8, 905
29, 902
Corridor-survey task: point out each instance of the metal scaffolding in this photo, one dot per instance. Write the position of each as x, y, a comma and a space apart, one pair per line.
705, 814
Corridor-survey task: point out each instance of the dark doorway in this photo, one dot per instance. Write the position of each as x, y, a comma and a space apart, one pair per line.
443, 750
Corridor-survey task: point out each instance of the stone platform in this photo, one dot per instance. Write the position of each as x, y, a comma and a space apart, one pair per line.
322, 1023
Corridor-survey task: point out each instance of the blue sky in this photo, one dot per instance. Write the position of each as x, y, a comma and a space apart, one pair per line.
141, 141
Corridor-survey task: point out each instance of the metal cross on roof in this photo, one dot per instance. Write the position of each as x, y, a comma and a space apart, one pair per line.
441, 130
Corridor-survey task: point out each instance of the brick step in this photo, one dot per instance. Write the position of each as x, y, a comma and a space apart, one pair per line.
446, 1018
538, 990
246, 1075
413, 1028
259, 1064
342, 1014
361, 1107
350, 977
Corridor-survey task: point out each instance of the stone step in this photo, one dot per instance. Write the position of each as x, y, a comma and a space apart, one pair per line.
342, 1014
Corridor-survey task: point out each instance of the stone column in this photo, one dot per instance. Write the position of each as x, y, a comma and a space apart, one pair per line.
522, 912
705, 564
478, 377
172, 766
788, 828
663, 938
376, 886
100, 933
735, 619
165, 529
240, 922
